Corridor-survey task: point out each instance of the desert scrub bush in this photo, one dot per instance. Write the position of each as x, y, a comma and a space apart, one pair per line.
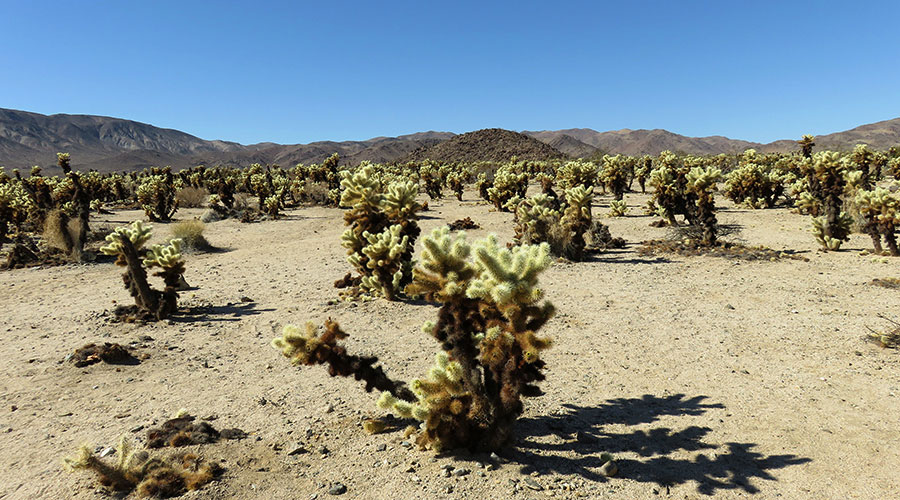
382, 230
191, 197
145, 475
190, 232
701, 182
576, 173
825, 176
881, 210
614, 175
156, 194
127, 245
487, 327
753, 184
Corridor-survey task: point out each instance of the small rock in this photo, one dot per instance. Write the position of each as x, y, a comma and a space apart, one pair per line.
461, 472
531, 483
446, 467
411, 469
324, 450
406, 444
297, 450
609, 469
495, 457
137, 428
109, 450
729, 306
381, 447
448, 489
329, 408
337, 489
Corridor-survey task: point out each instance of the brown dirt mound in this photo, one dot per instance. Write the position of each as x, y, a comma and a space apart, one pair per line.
492, 144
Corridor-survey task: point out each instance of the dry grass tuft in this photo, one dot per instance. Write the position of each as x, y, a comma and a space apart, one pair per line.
191, 197
191, 234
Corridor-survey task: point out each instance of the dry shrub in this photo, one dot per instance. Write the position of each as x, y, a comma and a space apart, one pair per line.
191, 197
317, 193
61, 232
191, 234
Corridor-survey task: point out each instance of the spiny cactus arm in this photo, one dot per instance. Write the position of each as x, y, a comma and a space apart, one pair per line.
508, 277
361, 188
307, 348
137, 234
167, 256
443, 271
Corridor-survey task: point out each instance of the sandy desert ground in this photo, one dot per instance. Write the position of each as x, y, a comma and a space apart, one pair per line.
705, 377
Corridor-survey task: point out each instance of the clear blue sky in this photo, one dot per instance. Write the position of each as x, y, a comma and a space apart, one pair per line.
295, 72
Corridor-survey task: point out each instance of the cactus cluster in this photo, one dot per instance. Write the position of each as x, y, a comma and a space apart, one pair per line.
126, 243
754, 183
881, 210
508, 188
382, 230
826, 179
701, 182
487, 326
614, 175
156, 194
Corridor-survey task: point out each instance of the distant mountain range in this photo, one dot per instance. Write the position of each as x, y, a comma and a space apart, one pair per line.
109, 144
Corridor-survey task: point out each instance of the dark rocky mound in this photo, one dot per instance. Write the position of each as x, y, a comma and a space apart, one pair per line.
491, 144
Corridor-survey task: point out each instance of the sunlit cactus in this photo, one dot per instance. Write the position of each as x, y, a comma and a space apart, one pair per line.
881, 208
614, 175
576, 173
701, 182
618, 208
507, 185
127, 244
156, 194
825, 175
487, 328
806, 144
642, 170
15, 207
754, 184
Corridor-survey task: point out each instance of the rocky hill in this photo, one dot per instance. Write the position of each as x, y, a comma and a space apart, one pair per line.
491, 144
108, 144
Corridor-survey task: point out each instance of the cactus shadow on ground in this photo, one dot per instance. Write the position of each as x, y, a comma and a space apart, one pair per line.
228, 312
624, 256
570, 443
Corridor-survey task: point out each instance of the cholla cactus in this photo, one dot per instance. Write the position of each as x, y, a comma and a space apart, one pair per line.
668, 180
825, 175
456, 181
430, 174
701, 182
618, 208
806, 144
881, 209
487, 326
534, 219
149, 477
387, 268
15, 207
156, 194
382, 230
576, 173
507, 185
614, 175
127, 244
753, 184
642, 170
861, 160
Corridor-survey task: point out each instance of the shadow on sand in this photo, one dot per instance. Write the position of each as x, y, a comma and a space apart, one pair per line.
571, 443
